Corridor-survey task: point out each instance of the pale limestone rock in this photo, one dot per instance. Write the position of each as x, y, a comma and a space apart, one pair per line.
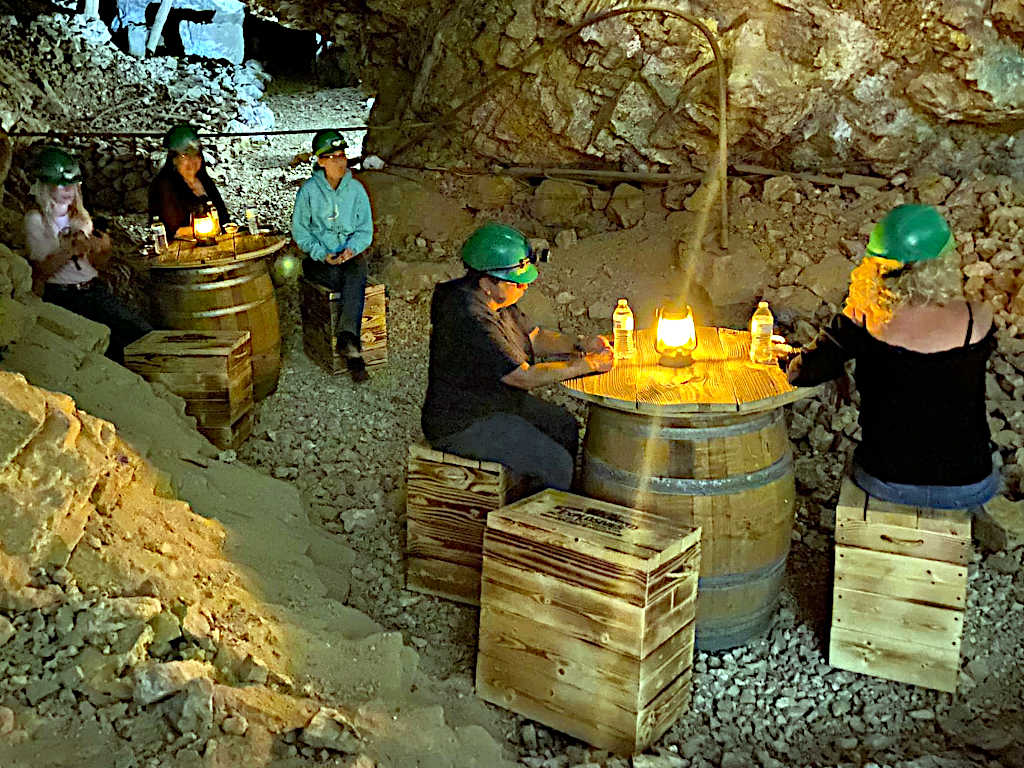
627, 205
6, 630
490, 191
558, 203
158, 681
22, 412
1001, 525
191, 709
330, 729
829, 278
775, 187
45, 490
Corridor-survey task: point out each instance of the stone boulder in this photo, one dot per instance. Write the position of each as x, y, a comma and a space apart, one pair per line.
626, 208
829, 278
558, 203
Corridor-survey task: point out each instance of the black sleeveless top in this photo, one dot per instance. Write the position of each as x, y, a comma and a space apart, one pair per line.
922, 414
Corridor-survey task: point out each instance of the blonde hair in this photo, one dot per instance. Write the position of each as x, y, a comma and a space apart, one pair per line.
879, 286
79, 218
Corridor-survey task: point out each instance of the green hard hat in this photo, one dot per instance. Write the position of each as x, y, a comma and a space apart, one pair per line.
328, 142
500, 251
910, 233
183, 139
55, 166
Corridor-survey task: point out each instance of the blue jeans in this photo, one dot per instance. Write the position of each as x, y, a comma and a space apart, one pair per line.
99, 304
541, 446
349, 279
933, 496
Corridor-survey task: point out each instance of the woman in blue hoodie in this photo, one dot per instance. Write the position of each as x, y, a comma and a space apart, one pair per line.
333, 226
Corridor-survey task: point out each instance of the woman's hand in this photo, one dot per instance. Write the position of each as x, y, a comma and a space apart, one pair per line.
339, 258
600, 362
595, 344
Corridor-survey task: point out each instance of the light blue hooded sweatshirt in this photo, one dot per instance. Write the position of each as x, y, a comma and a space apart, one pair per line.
327, 221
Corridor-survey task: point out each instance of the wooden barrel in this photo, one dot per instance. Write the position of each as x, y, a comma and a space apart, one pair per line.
235, 296
731, 474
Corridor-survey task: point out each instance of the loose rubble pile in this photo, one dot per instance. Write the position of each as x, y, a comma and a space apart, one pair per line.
62, 73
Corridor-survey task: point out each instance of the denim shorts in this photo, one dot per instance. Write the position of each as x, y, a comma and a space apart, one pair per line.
933, 496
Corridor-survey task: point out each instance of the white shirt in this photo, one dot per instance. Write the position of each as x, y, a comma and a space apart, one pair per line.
43, 241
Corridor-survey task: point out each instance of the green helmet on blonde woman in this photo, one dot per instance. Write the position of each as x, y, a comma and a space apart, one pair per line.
500, 251
911, 233
183, 139
55, 166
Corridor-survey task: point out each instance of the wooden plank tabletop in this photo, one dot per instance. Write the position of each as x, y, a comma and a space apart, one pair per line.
239, 246
721, 380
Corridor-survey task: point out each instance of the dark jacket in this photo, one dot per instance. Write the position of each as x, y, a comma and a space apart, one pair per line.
173, 201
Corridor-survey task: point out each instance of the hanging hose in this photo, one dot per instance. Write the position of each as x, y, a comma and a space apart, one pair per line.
723, 144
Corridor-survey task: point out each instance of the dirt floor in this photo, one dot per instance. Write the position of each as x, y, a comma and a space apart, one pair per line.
774, 702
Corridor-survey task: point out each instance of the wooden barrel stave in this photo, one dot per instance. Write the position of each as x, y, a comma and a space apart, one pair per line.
236, 296
730, 474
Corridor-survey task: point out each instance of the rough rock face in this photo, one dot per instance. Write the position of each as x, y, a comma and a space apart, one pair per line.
54, 62
816, 84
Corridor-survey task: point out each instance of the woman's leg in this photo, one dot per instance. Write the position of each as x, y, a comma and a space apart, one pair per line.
554, 421
519, 445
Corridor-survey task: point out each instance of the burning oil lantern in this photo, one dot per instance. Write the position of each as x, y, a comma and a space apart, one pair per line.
676, 336
205, 226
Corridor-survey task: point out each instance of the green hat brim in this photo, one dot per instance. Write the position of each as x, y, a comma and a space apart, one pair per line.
522, 275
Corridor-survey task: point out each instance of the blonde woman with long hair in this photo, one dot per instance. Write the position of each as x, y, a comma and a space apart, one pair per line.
66, 252
920, 351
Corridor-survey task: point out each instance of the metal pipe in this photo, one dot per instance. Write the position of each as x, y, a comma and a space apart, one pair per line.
723, 143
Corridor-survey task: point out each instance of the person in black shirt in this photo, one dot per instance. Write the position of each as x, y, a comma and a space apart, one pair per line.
485, 355
921, 352
183, 187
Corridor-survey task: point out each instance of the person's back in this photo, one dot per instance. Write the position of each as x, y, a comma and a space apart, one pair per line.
923, 416
464, 375
920, 355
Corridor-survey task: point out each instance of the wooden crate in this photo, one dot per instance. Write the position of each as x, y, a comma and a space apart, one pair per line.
900, 590
210, 370
587, 617
447, 498
320, 309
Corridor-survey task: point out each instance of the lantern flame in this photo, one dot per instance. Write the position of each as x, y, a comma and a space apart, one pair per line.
204, 227
676, 336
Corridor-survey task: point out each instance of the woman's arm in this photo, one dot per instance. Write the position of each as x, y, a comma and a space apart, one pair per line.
302, 219
362, 222
548, 343
825, 358
528, 376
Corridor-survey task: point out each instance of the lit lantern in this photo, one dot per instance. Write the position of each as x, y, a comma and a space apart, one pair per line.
205, 227
676, 336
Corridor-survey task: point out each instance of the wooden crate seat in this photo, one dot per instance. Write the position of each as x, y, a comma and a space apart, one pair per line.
211, 370
900, 590
587, 617
321, 307
447, 501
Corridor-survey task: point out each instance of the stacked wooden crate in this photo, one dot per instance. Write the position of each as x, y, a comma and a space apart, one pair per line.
320, 311
900, 590
447, 501
210, 370
586, 617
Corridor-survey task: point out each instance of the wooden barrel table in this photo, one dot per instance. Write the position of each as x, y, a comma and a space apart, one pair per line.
705, 446
223, 287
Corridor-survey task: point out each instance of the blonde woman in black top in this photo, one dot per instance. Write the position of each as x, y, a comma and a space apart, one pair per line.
920, 351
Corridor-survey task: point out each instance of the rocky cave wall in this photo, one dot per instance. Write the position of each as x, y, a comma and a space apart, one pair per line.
879, 85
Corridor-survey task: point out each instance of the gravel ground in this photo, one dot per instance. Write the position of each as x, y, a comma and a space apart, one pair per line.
775, 702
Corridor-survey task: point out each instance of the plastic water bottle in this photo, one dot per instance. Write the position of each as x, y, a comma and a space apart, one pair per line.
622, 323
762, 324
159, 234
250, 221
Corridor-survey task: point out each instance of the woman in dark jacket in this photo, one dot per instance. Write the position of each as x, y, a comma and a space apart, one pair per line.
920, 351
183, 187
